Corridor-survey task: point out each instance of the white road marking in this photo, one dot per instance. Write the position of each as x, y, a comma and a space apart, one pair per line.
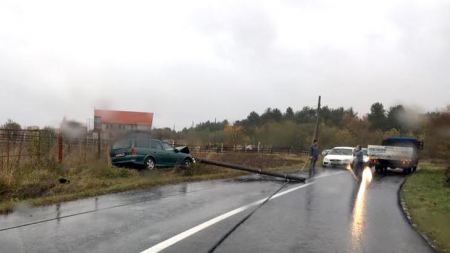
171, 241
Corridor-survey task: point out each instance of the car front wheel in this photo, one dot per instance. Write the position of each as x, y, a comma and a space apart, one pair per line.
186, 163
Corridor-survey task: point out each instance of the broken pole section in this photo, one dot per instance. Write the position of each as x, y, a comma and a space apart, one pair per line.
249, 169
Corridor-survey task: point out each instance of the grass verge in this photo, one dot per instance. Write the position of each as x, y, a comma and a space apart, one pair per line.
427, 198
39, 185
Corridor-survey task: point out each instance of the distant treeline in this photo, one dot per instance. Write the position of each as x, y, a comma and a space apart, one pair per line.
338, 127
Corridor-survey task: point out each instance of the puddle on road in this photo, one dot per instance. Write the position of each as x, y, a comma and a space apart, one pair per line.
359, 210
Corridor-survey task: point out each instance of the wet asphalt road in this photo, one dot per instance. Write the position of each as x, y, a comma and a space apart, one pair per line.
332, 212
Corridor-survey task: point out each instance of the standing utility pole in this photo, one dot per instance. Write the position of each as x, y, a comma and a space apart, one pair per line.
316, 132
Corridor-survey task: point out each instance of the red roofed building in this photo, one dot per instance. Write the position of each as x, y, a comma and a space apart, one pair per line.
112, 122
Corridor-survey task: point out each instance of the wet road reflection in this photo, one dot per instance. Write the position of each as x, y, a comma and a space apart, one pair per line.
359, 210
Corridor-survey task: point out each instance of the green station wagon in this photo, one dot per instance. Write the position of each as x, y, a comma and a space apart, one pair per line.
150, 152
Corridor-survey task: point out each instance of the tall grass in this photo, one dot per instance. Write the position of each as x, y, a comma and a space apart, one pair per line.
26, 175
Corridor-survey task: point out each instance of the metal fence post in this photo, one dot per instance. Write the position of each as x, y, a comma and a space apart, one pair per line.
99, 144
39, 145
60, 147
50, 141
20, 149
7, 149
85, 147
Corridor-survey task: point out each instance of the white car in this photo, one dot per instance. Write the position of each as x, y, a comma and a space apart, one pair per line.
339, 156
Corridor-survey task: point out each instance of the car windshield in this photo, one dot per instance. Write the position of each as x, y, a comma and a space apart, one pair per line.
122, 144
341, 151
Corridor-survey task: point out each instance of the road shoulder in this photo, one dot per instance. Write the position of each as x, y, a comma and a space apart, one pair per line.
425, 202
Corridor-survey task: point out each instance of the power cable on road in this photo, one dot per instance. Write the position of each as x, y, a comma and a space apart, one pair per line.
244, 219
304, 165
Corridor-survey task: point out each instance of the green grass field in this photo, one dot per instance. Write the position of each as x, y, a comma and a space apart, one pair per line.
428, 202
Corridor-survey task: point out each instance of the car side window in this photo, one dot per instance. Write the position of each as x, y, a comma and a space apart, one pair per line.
142, 143
167, 146
156, 145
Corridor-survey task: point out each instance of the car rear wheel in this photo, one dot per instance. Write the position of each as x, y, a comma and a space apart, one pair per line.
149, 164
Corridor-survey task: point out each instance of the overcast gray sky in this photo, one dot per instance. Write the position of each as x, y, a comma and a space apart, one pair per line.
196, 60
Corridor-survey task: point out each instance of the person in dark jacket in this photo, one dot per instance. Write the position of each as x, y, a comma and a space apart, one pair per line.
359, 160
313, 155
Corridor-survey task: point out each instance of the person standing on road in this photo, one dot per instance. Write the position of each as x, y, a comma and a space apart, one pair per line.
313, 155
359, 160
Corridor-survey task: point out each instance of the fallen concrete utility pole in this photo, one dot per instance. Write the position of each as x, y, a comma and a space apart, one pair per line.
249, 169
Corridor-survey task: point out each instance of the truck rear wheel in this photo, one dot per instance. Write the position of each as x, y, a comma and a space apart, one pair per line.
377, 169
406, 171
